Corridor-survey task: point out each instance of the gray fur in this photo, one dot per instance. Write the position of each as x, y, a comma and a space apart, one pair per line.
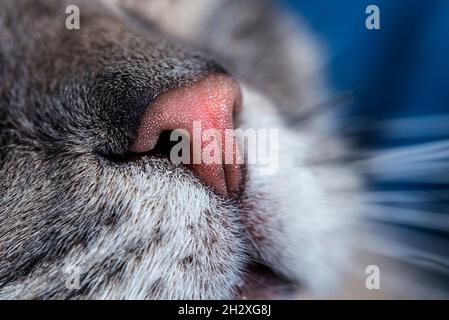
70, 103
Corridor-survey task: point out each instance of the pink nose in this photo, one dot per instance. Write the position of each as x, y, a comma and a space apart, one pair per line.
209, 103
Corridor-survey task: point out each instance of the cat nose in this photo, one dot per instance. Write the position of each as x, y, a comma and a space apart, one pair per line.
204, 113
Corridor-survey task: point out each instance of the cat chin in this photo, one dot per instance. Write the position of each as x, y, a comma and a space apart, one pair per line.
171, 238
193, 245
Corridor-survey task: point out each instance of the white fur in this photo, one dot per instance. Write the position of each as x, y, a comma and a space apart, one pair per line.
169, 200
310, 207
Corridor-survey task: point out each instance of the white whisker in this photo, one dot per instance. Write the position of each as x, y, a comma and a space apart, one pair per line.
416, 172
409, 196
409, 217
416, 153
409, 254
423, 126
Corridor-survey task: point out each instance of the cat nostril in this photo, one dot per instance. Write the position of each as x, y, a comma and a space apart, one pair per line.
204, 111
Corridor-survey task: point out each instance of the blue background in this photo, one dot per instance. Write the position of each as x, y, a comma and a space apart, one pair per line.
401, 70
398, 72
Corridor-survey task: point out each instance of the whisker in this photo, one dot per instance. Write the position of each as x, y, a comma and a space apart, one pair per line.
436, 179
409, 217
409, 196
409, 127
422, 152
331, 104
406, 253
417, 172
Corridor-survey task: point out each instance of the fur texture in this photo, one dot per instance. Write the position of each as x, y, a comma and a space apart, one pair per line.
70, 103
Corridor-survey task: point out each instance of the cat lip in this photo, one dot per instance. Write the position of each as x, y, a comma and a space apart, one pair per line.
261, 282
231, 178
237, 174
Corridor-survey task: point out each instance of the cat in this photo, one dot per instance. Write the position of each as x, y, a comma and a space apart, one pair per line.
83, 218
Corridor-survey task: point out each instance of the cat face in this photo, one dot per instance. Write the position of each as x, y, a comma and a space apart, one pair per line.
75, 201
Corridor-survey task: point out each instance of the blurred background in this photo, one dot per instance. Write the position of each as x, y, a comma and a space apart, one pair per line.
398, 78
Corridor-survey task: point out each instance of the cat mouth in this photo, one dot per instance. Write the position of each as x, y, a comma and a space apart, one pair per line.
262, 283
234, 176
